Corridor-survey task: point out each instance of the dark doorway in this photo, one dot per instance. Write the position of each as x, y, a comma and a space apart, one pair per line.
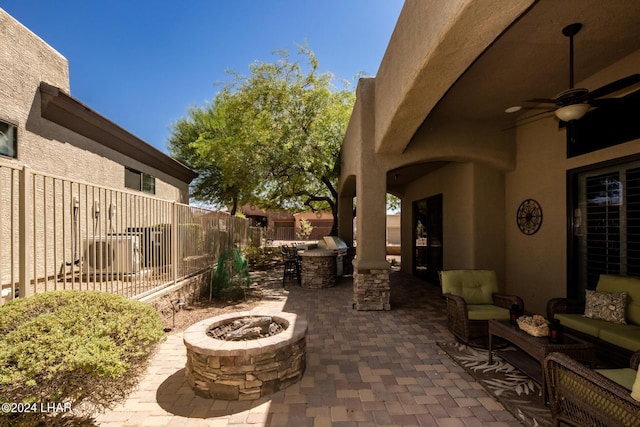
428, 238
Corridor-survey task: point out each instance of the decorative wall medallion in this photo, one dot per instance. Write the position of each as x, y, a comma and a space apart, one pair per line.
529, 217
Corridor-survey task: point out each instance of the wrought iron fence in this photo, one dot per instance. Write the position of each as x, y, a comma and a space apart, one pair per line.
57, 233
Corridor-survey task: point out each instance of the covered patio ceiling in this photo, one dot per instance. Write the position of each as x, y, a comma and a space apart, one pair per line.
398, 178
531, 60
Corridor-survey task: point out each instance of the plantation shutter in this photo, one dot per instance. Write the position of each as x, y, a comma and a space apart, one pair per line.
604, 198
612, 243
633, 222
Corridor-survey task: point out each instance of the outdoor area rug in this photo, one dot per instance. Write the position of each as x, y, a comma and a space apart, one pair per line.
519, 394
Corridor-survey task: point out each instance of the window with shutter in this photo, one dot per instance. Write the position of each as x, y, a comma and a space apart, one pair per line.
606, 225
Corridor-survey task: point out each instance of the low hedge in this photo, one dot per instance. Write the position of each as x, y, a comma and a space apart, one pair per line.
82, 349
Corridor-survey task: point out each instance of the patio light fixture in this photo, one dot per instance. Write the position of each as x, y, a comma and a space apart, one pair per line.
176, 304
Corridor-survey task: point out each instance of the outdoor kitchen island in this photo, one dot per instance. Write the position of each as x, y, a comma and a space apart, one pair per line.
321, 265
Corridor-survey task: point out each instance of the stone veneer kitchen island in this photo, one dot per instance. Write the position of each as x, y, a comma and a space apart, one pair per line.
318, 268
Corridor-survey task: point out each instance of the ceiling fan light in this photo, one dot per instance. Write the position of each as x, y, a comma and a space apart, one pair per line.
572, 112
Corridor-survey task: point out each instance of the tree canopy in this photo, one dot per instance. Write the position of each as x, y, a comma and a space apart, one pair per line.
271, 138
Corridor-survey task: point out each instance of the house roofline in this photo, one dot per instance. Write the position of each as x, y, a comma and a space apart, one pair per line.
67, 111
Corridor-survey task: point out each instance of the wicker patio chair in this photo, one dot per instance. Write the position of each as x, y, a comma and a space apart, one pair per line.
472, 300
581, 396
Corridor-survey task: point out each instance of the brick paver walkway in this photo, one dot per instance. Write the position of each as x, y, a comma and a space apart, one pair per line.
363, 369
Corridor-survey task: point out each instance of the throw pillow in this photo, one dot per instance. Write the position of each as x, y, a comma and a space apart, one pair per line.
635, 391
609, 306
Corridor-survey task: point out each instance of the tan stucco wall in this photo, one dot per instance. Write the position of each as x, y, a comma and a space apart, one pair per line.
458, 141
25, 61
491, 171
488, 221
351, 150
473, 225
432, 45
455, 185
537, 264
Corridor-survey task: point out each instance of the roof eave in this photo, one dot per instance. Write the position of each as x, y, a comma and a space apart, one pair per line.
70, 113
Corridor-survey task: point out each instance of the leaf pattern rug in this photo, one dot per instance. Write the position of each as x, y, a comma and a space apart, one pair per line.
519, 394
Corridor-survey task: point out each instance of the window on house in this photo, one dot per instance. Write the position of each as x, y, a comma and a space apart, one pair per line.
139, 181
606, 225
8, 139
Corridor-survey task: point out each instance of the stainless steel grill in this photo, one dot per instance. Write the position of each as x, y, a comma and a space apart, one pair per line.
337, 245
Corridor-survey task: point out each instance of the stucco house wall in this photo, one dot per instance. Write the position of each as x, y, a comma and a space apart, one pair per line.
58, 135
25, 62
537, 264
473, 226
483, 169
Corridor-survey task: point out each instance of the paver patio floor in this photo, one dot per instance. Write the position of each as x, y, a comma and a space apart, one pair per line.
364, 368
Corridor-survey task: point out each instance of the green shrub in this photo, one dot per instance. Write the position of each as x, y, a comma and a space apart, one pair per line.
85, 349
305, 229
261, 258
230, 278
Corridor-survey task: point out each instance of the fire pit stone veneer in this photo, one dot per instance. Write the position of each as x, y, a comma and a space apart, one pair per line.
245, 370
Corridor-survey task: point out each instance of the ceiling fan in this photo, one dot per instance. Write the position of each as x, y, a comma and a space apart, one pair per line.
573, 103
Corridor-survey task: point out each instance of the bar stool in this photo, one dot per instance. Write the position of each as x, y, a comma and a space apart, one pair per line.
291, 263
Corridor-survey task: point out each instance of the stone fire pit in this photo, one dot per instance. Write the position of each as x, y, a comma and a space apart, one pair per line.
249, 369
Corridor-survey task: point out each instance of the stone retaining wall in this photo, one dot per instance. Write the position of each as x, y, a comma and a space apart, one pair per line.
188, 290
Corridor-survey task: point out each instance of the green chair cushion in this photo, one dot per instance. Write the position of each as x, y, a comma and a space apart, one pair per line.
625, 376
631, 285
486, 312
628, 337
474, 286
635, 390
583, 324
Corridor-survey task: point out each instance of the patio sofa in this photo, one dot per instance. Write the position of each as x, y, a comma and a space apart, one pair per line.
615, 342
581, 396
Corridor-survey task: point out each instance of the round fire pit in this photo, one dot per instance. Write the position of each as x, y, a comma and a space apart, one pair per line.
247, 369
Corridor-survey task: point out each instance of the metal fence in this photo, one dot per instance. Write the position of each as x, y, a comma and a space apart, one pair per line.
56, 233
293, 233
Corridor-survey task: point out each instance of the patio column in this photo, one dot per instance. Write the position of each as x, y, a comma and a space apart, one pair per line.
371, 269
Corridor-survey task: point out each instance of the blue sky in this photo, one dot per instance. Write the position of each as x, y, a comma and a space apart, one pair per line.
142, 63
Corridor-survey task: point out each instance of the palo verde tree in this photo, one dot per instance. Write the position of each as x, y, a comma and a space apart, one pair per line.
271, 138
212, 141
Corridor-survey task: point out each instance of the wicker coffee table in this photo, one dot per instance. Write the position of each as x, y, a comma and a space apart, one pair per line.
533, 350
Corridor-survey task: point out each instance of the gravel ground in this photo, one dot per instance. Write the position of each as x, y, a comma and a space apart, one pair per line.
264, 285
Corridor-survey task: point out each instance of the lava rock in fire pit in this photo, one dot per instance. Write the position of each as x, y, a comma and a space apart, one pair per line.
247, 328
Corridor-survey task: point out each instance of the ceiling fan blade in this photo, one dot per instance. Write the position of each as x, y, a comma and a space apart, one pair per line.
542, 101
615, 86
526, 119
531, 116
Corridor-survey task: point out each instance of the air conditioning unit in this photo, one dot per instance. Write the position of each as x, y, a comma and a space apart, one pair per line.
112, 254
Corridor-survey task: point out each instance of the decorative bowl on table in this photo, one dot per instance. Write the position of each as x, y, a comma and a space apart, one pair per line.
535, 325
